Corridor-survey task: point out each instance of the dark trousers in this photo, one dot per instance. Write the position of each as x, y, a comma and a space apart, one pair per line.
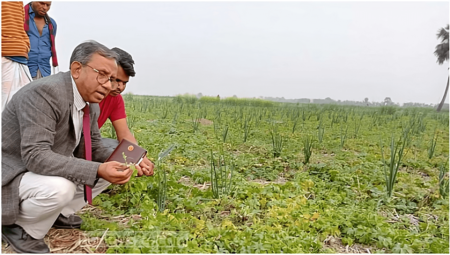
109, 143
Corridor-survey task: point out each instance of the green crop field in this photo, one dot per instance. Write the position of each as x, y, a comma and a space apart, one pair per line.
254, 176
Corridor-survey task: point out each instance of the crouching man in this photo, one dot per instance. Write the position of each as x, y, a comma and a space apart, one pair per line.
113, 106
43, 184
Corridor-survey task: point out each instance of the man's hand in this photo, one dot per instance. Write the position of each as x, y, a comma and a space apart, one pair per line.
145, 167
114, 172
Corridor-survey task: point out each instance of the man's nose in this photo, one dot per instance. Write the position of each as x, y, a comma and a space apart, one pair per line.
108, 86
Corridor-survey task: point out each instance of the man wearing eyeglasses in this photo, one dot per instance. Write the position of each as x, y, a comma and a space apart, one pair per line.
42, 180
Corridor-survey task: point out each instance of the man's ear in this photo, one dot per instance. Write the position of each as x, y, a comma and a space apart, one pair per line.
75, 69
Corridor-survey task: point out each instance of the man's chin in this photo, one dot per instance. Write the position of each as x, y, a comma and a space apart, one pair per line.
113, 94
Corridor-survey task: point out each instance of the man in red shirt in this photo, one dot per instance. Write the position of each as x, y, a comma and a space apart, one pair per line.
113, 106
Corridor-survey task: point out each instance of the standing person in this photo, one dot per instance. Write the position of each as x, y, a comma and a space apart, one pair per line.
42, 182
41, 30
15, 47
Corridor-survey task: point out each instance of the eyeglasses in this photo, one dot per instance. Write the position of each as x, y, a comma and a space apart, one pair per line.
101, 77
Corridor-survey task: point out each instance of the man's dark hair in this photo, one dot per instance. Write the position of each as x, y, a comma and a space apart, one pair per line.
125, 61
84, 51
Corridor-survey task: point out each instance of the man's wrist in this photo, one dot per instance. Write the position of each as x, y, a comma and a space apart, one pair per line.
99, 172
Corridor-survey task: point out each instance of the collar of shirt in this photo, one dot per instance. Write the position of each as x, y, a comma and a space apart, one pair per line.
77, 111
32, 14
77, 99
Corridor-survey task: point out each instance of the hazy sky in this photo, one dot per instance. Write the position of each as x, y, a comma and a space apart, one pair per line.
294, 49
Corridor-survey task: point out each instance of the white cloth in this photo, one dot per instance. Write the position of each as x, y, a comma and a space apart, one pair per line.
43, 198
77, 110
55, 69
14, 77
78, 200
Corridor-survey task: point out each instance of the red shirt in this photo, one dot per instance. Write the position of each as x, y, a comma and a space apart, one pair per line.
112, 108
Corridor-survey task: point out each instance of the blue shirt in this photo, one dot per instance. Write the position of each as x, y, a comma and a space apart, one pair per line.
19, 59
41, 47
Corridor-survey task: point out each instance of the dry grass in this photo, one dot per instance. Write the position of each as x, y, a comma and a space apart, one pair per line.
337, 245
204, 122
279, 180
68, 241
185, 180
72, 240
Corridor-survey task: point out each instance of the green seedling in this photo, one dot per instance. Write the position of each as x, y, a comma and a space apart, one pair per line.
162, 178
221, 176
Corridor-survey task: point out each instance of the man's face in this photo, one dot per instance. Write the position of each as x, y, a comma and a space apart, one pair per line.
121, 82
41, 8
86, 78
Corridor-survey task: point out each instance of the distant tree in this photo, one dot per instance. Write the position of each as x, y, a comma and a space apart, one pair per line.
234, 96
328, 100
441, 53
366, 101
387, 101
199, 95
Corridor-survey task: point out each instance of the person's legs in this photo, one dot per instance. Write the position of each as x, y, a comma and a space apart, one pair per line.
7, 78
38, 75
25, 75
42, 199
14, 77
110, 143
78, 200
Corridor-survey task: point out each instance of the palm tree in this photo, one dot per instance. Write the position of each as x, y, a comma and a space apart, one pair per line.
441, 53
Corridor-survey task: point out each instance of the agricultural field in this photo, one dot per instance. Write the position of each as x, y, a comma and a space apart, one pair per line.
254, 176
